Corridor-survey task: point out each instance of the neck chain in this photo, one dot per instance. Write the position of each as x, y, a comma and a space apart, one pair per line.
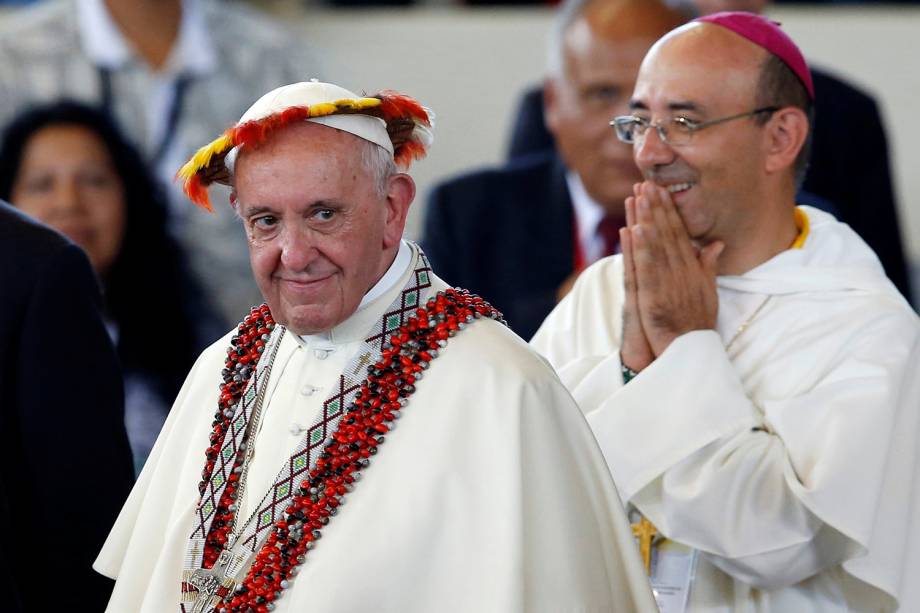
747, 322
803, 225
249, 448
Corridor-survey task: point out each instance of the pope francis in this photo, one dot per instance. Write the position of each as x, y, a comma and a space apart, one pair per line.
281, 481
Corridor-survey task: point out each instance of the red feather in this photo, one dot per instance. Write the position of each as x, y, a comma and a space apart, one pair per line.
198, 192
408, 152
394, 105
257, 131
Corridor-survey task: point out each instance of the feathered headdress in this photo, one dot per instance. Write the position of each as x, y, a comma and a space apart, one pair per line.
394, 121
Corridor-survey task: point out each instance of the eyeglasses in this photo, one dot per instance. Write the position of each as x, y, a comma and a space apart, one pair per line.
675, 131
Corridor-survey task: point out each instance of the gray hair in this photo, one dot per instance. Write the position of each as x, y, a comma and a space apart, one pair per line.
379, 165
568, 12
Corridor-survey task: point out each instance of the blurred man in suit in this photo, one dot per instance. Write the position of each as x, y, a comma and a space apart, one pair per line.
65, 465
550, 215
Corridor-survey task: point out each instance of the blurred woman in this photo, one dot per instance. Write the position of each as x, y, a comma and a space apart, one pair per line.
67, 165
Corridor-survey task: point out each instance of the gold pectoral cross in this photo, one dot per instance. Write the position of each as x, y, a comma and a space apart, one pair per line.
646, 532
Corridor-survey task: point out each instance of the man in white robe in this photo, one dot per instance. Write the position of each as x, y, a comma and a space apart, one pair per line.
491, 495
748, 370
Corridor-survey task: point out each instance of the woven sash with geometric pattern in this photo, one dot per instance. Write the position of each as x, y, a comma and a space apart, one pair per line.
272, 506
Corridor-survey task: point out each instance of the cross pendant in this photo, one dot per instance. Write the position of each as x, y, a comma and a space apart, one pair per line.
646, 532
207, 582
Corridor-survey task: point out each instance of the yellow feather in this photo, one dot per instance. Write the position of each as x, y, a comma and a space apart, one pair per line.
322, 109
359, 104
203, 156
369, 103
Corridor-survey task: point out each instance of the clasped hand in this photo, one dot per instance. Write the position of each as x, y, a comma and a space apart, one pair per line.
670, 283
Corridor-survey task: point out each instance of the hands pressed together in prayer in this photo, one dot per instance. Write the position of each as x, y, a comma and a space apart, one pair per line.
670, 283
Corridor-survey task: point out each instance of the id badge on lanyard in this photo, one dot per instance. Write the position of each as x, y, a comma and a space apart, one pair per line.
673, 568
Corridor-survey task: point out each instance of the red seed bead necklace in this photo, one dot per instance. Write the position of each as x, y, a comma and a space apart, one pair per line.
360, 432
246, 348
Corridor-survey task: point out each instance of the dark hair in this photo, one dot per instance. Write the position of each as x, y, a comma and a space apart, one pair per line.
148, 293
779, 86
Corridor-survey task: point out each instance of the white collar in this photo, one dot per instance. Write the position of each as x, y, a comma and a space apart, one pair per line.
588, 215
833, 258
105, 45
389, 279
391, 276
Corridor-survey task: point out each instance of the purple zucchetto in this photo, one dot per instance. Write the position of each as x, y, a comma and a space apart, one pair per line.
767, 34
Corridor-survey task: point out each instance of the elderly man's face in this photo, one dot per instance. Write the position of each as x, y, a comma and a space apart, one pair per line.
320, 233
716, 180
599, 76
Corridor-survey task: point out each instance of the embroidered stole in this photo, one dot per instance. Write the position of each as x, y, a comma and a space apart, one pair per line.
273, 504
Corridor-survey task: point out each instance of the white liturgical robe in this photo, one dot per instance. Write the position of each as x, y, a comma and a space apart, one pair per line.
785, 453
490, 495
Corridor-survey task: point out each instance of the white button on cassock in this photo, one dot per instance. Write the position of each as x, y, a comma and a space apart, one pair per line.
309, 390
322, 354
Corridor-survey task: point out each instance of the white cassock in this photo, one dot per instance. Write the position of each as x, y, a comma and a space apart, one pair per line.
789, 459
491, 495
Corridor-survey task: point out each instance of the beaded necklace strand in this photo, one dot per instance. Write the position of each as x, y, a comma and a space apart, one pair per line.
383, 395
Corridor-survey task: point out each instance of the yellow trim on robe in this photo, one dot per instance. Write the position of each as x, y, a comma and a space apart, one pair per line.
803, 225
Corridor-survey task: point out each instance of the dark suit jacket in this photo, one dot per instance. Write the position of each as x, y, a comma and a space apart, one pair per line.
849, 166
506, 234
849, 174
65, 465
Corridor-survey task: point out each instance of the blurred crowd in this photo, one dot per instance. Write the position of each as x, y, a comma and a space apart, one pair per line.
101, 101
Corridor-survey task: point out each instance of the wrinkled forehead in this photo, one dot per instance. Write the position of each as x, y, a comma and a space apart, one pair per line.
305, 158
700, 65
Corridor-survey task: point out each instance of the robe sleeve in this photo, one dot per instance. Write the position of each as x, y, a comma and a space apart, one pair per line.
568, 504
702, 462
772, 493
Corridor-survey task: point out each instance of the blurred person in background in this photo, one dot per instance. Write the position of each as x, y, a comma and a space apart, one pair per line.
67, 165
520, 234
171, 73
65, 464
848, 140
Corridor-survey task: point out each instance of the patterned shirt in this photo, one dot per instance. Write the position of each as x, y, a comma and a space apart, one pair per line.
44, 55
